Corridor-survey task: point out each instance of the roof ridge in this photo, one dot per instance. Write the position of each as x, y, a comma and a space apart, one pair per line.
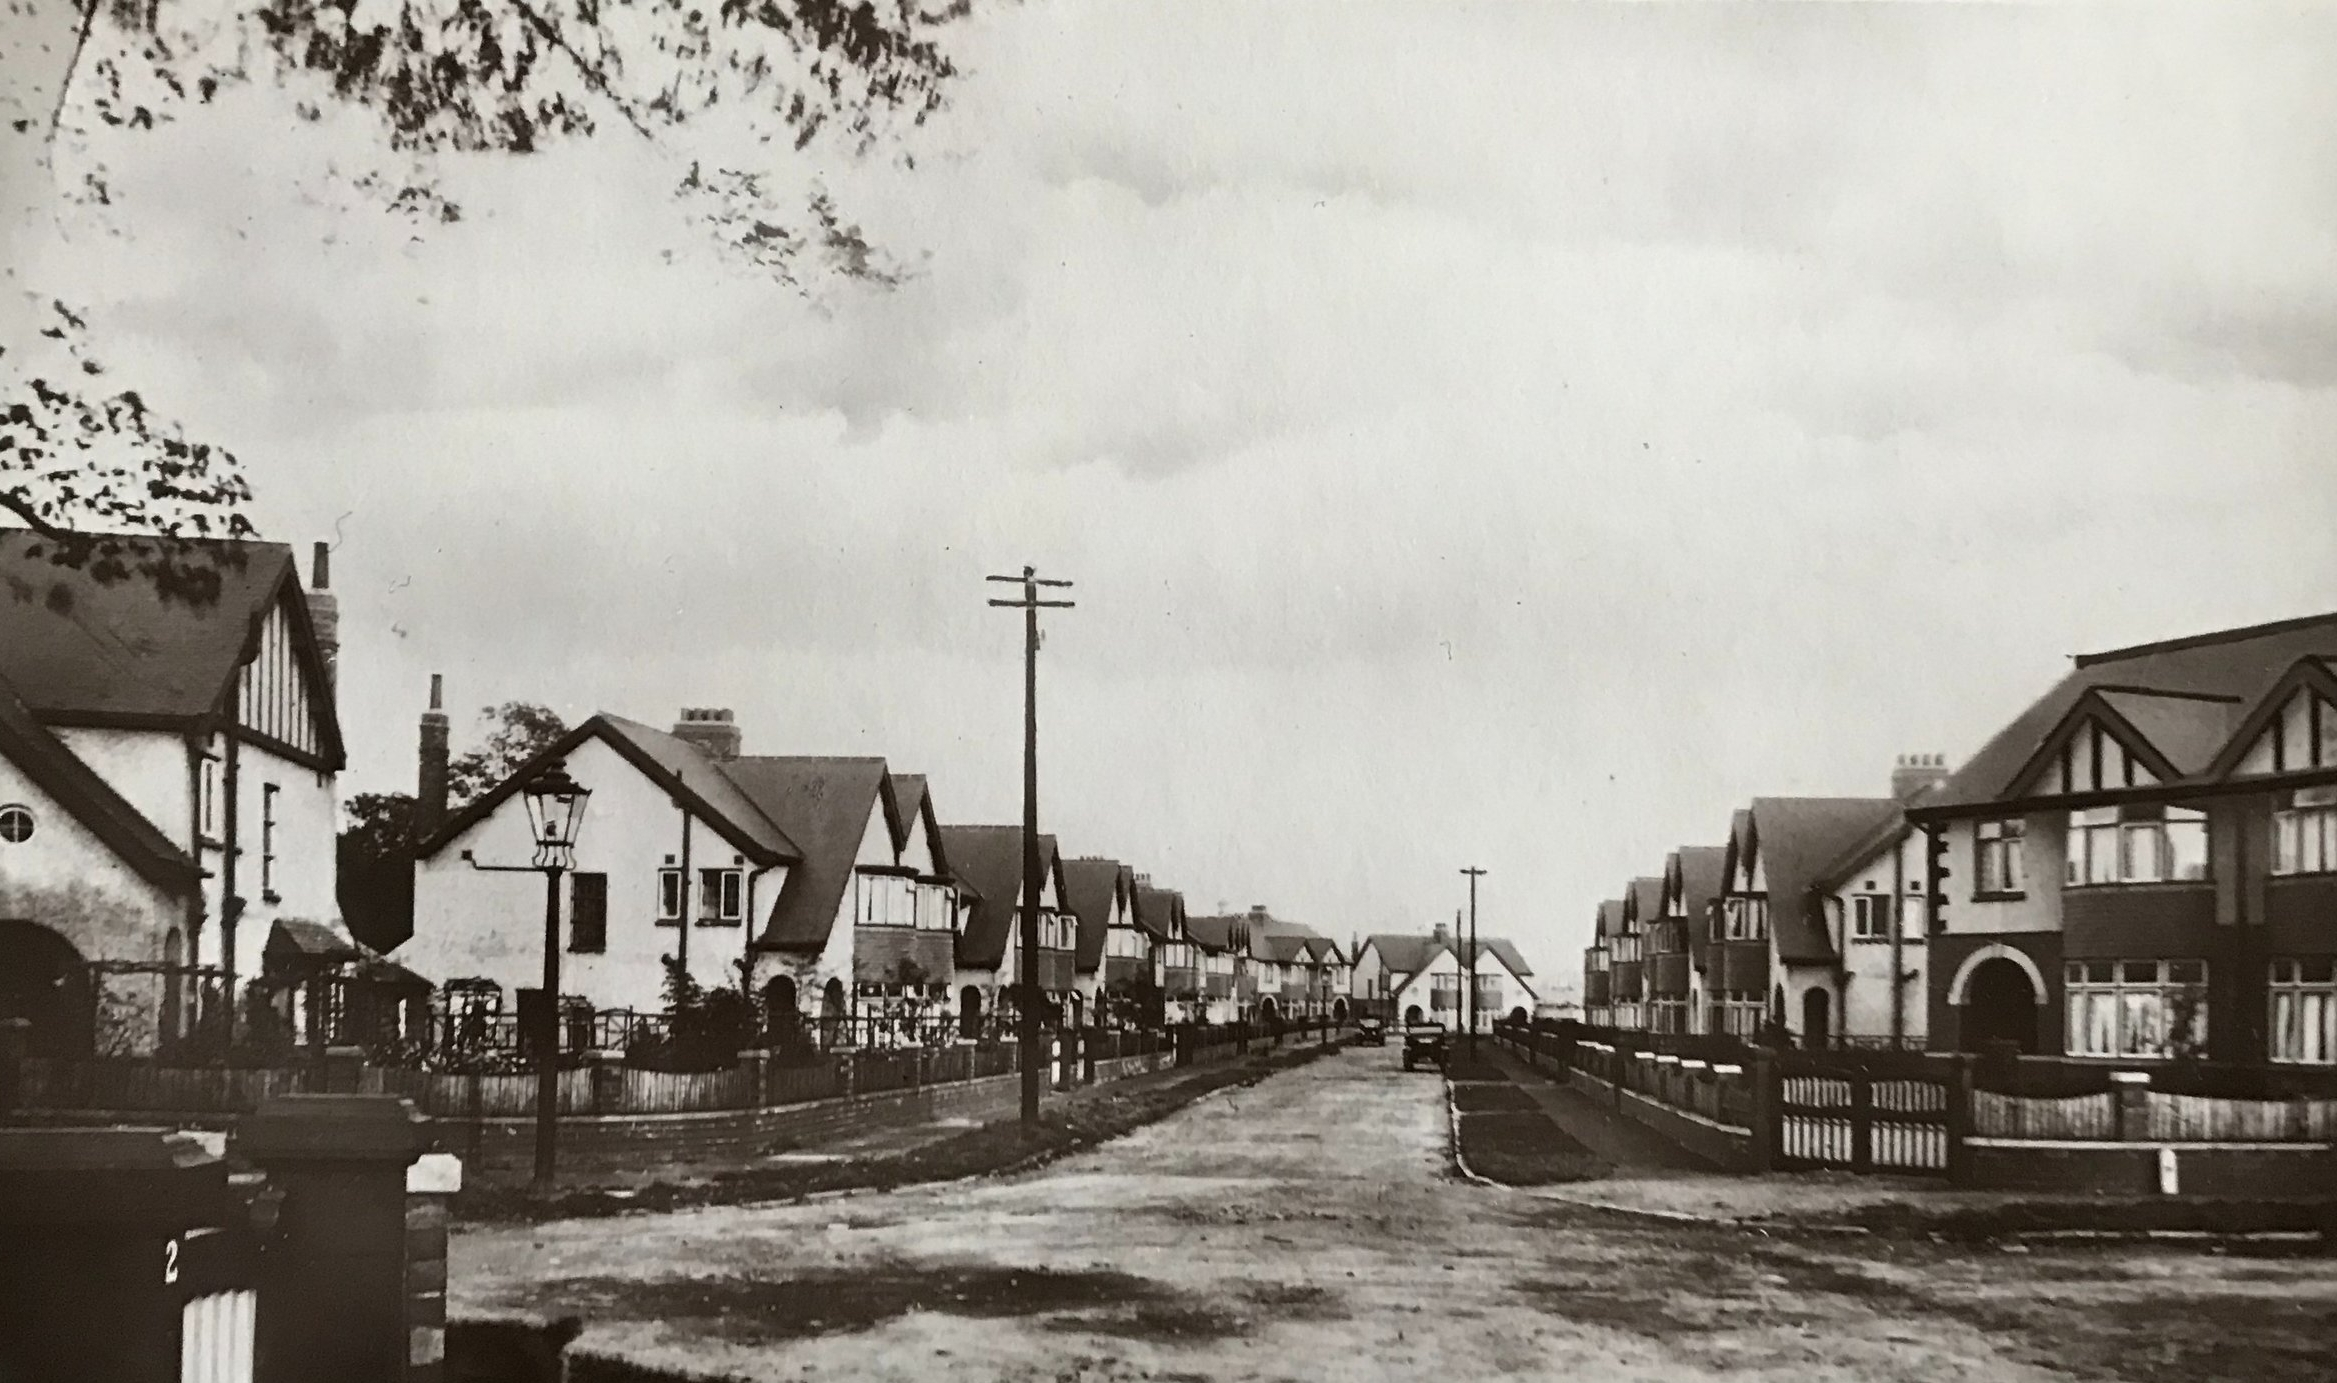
2208, 640
2129, 689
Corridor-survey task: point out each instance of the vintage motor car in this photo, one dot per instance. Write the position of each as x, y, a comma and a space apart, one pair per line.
1371, 1030
1424, 1045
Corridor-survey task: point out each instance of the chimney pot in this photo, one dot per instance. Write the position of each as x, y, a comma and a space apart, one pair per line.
1916, 774
712, 731
324, 614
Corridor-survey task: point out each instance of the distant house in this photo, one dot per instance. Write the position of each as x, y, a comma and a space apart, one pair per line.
1419, 977
1642, 904
1223, 945
1874, 917
1693, 875
1598, 966
989, 947
1176, 958
169, 759
1101, 894
2142, 864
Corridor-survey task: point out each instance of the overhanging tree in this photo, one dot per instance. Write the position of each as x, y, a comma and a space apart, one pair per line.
727, 93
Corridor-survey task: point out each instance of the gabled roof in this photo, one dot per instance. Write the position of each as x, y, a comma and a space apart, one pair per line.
823, 805
990, 859
101, 643
1703, 871
1216, 933
1642, 902
2234, 665
1610, 921
907, 798
77, 788
1089, 887
1160, 911
1798, 837
1405, 953
1285, 948
1501, 948
676, 766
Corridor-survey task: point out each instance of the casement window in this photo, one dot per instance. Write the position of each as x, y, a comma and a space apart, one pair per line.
1998, 866
2304, 1012
2144, 1008
588, 913
1444, 991
1870, 917
886, 900
268, 841
2304, 833
2144, 844
722, 897
1744, 919
672, 893
207, 800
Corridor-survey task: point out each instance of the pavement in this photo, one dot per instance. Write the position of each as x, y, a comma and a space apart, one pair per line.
1311, 1228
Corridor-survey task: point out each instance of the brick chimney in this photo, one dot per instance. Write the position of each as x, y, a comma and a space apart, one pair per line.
711, 730
430, 782
324, 613
1442, 936
1916, 774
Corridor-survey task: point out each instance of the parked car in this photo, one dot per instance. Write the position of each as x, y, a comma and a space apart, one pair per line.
1372, 1030
1424, 1045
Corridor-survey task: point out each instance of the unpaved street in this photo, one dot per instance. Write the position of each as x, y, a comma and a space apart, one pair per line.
1310, 1228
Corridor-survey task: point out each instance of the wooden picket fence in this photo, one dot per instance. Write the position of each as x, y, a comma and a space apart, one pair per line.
1908, 1112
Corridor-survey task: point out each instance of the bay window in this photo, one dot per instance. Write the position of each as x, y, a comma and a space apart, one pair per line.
2304, 1012
2141, 1008
2304, 833
2142, 844
1998, 866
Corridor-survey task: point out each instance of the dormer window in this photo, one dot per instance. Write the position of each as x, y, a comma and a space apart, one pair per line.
2141, 844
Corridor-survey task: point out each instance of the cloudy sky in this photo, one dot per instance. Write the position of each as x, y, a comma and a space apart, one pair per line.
1482, 434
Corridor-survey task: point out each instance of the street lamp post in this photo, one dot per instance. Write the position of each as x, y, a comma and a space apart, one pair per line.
555, 814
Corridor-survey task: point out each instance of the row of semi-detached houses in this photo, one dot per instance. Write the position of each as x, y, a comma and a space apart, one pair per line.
170, 752
830, 888
2141, 864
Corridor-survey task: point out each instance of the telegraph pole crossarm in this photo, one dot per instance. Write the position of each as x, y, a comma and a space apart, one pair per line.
1034, 1063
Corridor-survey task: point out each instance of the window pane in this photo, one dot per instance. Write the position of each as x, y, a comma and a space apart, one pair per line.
2139, 971
2186, 844
2101, 1037
2143, 848
2101, 851
2286, 855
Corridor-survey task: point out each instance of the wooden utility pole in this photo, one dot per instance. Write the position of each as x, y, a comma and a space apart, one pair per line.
1034, 1060
1469, 1000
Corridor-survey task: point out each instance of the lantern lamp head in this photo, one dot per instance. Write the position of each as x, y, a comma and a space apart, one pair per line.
555, 812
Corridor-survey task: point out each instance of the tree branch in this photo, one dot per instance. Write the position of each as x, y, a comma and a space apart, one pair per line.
72, 69
593, 76
10, 501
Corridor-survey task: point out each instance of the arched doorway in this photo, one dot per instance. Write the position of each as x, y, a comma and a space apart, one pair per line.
1338, 1010
1269, 1013
782, 1018
1071, 1011
1817, 1014
2000, 1005
1411, 1014
970, 1013
44, 980
1518, 1015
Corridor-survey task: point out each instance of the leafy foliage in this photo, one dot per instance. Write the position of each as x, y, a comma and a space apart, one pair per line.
78, 455
706, 1029
516, 732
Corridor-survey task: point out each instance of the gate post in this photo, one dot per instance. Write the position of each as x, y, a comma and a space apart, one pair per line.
1768, 1121
1861, 1122
333, 1301
1959, 1120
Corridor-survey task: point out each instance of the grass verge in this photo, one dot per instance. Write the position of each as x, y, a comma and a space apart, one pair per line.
1066, 1125
1523, 1148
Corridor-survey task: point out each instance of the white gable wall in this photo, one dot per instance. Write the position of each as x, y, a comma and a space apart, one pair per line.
469, 923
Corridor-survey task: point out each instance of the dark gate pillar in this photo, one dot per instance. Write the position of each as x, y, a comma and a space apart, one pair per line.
334, 1291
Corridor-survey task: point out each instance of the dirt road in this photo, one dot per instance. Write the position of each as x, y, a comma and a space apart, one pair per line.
1310, 1228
